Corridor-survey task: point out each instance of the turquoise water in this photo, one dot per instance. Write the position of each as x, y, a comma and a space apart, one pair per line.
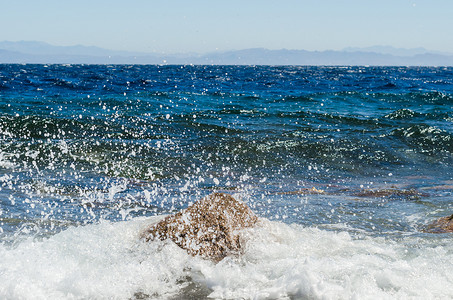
356, 157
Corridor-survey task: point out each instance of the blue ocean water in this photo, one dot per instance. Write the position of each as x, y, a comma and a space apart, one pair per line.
351, 154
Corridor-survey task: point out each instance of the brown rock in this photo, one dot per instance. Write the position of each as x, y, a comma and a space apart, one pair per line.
439, 187
442, 225
391, 193
208, 228
304, 191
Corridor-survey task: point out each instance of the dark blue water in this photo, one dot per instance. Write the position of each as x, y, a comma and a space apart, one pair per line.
83, 143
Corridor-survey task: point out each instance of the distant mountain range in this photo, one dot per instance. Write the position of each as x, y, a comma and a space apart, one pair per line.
43, 53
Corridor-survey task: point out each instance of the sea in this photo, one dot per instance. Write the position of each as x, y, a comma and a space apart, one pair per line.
345, 166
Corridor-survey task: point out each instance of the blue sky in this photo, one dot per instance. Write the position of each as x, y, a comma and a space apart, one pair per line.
180, 26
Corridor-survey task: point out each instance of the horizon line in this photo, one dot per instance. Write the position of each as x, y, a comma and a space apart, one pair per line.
348, 49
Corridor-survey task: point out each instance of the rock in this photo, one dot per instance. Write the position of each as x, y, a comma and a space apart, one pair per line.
442, 225
392, 192
209, 228
439, 187
304, 191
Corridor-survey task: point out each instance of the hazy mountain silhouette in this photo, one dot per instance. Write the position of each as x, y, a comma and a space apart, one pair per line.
40, 52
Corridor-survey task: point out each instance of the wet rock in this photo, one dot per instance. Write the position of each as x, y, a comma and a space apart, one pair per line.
439, 187
442, 225
304, 191
411, 194
209, 228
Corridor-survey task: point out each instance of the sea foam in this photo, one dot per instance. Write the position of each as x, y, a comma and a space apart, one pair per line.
280, 261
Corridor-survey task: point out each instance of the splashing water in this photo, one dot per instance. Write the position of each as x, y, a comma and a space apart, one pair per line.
345, 167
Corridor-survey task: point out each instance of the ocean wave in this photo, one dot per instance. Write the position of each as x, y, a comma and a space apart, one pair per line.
402, 114
424, 138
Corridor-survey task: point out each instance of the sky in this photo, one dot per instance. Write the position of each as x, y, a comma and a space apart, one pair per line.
202, 26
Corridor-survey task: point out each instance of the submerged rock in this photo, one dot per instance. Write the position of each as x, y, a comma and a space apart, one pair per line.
441, 225
392, 192
304, 191
208, 228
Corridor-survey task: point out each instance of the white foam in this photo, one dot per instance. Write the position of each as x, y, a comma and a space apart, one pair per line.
91, 262
108, 261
